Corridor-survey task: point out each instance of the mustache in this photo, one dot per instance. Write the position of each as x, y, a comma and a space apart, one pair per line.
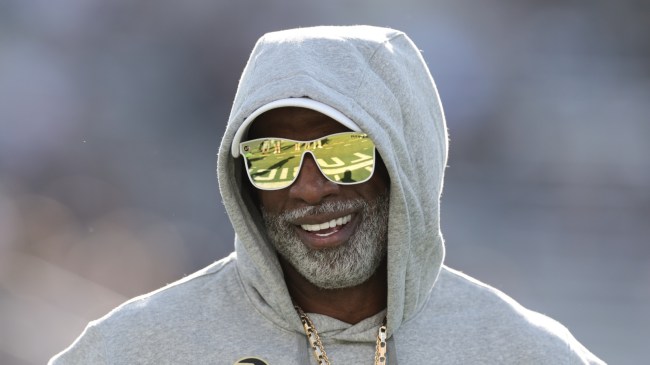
324, 208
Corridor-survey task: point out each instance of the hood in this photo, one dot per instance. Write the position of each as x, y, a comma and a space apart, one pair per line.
377, 78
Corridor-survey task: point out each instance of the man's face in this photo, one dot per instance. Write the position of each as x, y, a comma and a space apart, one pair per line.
350, 250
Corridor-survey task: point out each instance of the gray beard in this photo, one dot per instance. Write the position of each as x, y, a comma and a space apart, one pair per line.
348, 265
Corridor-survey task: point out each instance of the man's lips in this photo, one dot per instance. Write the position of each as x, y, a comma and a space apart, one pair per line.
328, 227
329, 233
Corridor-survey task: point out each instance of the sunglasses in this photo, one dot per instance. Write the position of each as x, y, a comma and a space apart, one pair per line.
274, 163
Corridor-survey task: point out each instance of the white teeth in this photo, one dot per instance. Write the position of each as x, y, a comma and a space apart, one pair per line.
333, 223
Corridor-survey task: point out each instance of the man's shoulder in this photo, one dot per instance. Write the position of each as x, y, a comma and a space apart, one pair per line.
175, 320
459, 295
470, 313
458, 292
185, 294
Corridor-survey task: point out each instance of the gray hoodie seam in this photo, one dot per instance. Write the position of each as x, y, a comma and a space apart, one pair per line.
378, 48
381, 47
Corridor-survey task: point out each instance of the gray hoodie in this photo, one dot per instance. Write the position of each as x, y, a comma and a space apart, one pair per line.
240, 308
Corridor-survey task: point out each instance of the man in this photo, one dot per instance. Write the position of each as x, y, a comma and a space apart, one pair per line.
338, 250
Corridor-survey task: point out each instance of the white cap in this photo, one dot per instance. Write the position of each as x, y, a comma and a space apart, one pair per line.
291, 102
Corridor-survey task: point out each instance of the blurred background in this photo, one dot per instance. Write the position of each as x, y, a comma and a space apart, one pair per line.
111, 113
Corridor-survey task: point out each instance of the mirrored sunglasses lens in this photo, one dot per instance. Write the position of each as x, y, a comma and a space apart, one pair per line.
271, 163
347, 158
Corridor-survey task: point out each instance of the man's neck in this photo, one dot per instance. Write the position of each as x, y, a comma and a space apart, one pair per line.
350, 305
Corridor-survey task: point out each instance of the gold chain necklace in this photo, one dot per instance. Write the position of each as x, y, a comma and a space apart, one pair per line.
319, 350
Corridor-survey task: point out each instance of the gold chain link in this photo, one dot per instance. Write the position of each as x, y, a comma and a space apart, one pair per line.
313, 338
380, 351
319, 350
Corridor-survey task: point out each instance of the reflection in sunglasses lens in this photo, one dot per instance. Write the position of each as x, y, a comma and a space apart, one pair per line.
344, 158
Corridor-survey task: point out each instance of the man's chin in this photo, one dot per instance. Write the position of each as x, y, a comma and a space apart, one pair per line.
336, 282
349, 282
336, 268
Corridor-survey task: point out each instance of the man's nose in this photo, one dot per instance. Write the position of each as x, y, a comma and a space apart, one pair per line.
310, 185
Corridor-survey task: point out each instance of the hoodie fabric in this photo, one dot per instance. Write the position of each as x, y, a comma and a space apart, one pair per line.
240, 307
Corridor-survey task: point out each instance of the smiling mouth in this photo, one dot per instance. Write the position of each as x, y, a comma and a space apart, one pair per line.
327, 228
